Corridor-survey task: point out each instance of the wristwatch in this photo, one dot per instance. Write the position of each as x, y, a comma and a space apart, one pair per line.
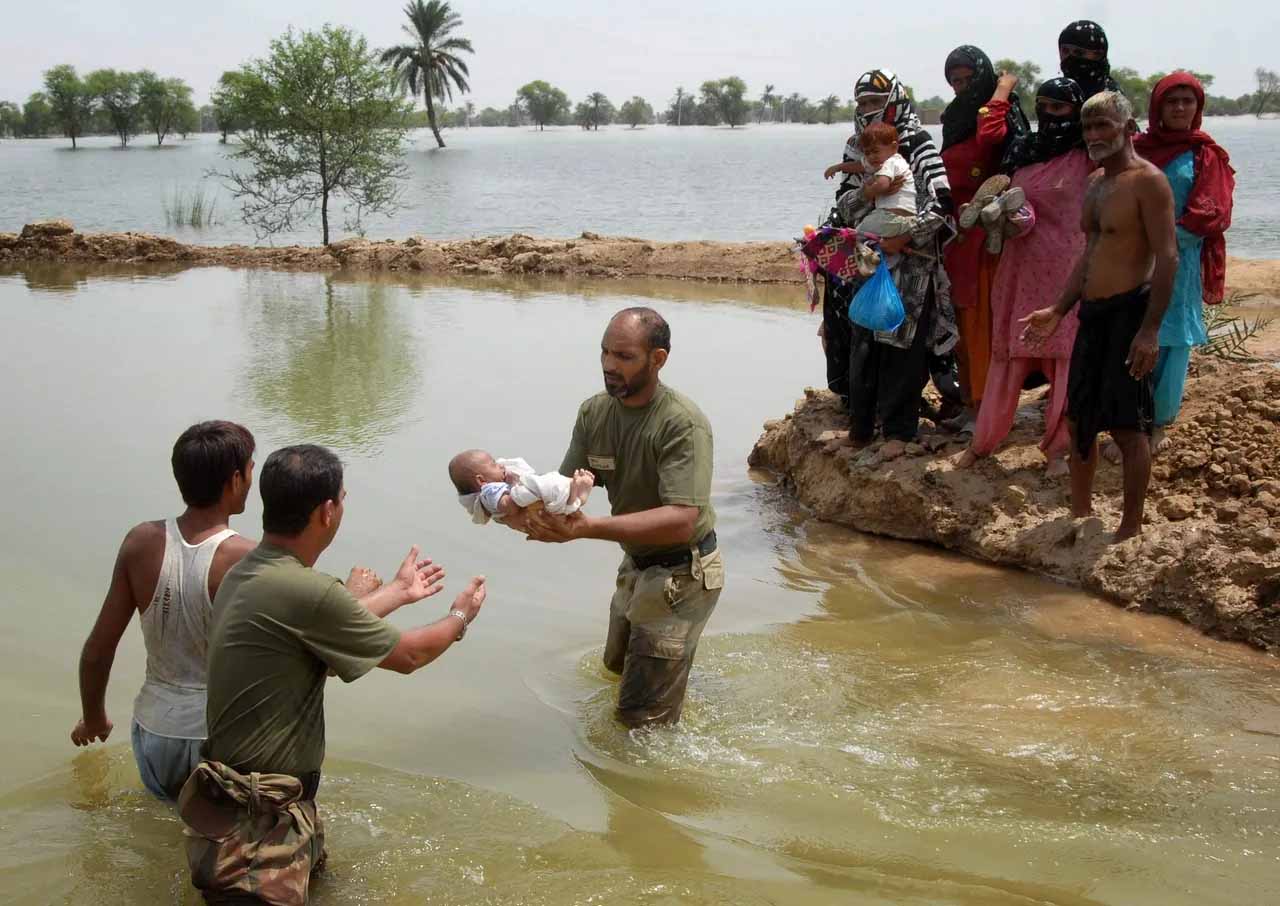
463, 618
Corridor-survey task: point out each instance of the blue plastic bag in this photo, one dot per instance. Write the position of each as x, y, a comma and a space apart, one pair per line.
878, 304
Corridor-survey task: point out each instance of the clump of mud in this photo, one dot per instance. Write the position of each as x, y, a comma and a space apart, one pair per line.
1209, 552
589, 255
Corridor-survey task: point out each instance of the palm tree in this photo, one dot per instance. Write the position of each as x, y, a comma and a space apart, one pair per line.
431, 64
679, 103
766, 101
829, 105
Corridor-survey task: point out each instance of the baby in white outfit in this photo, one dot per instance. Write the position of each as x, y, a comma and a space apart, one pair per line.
498, 488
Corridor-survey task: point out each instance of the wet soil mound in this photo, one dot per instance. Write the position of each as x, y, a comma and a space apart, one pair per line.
589, 255
1210, 550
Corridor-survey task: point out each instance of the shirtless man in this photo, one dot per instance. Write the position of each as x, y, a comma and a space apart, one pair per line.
1123, 282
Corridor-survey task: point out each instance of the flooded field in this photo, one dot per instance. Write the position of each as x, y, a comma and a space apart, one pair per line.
869, 721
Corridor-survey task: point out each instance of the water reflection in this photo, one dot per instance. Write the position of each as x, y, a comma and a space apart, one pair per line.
71, 277
332, 356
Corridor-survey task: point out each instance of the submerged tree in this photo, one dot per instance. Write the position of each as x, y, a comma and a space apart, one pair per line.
766, 102
830, 104
728, 98
117, 93
636, 111
70, 100
1268, 87
320, 117
164, 103
431, 64
544, 103
10, 120
594, 111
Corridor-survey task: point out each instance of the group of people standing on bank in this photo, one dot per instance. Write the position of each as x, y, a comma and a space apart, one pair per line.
983, 306
241, 637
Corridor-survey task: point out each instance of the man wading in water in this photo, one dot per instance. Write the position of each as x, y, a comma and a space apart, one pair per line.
169, 572
651, 449
280, 629
1125, 279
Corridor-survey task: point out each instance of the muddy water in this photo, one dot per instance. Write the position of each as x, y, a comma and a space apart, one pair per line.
868, 722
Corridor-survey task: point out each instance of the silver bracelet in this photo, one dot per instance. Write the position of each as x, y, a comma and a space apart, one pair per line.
463, 617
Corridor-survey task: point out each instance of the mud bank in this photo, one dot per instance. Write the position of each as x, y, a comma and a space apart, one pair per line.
589, 255
1209, 553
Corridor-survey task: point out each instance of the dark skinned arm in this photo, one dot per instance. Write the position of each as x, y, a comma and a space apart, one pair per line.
1155, 206
99, 651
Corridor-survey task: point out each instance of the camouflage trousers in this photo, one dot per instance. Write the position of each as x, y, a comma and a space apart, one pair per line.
250, 839
655, 620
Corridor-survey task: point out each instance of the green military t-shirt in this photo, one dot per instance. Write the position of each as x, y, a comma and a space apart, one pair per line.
654, 456
278, 628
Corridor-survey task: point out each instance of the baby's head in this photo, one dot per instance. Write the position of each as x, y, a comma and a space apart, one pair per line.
879, 142
471, 469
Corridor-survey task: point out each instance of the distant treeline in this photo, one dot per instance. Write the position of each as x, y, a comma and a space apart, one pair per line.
124, 104
104, 102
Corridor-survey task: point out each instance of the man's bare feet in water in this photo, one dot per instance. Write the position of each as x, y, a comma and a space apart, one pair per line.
580, 486
965, 459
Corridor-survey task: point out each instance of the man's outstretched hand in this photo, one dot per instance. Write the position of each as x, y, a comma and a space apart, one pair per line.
1040, 325
417, 579
471, 598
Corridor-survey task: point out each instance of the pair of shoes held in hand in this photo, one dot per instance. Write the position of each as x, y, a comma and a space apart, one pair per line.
992, 204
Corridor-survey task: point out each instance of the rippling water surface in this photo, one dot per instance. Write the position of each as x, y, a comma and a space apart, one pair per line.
755, 183
868, 722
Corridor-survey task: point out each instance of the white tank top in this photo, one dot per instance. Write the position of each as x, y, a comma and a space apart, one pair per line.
175, 628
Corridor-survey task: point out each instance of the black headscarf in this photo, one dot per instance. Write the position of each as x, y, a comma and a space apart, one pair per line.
1054, 135
960, 118
1091, 75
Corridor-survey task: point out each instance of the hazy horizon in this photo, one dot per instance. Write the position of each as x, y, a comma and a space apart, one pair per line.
650, 53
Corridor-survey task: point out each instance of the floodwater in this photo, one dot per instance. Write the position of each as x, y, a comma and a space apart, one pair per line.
753, 183
869, 722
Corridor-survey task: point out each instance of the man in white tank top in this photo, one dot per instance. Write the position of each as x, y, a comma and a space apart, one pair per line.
169, 571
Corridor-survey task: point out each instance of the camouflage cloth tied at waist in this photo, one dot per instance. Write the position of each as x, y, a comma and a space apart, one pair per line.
250, 838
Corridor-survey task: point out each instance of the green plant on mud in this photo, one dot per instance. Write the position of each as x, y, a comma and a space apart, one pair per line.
1231, 333
194, 208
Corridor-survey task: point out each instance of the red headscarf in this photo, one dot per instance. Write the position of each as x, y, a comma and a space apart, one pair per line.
1208, 211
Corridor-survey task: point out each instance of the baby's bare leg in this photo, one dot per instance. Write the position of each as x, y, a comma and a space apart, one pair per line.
580, 486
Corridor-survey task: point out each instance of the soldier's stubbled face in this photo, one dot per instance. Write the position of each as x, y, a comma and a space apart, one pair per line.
628, 364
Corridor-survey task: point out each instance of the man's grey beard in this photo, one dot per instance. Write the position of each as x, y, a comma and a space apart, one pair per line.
1109, 151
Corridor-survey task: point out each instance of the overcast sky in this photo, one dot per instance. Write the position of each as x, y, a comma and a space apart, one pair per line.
650, 47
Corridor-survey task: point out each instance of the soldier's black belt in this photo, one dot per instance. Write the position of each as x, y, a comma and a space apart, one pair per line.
673, 559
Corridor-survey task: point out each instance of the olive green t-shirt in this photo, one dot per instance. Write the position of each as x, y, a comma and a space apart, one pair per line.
278, 628
649, 457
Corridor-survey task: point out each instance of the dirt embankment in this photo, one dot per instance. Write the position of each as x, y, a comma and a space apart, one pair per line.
587, 256
1210, 550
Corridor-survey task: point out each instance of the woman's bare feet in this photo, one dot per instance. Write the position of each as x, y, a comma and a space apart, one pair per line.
1159, 439
965, 459
1057, 467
